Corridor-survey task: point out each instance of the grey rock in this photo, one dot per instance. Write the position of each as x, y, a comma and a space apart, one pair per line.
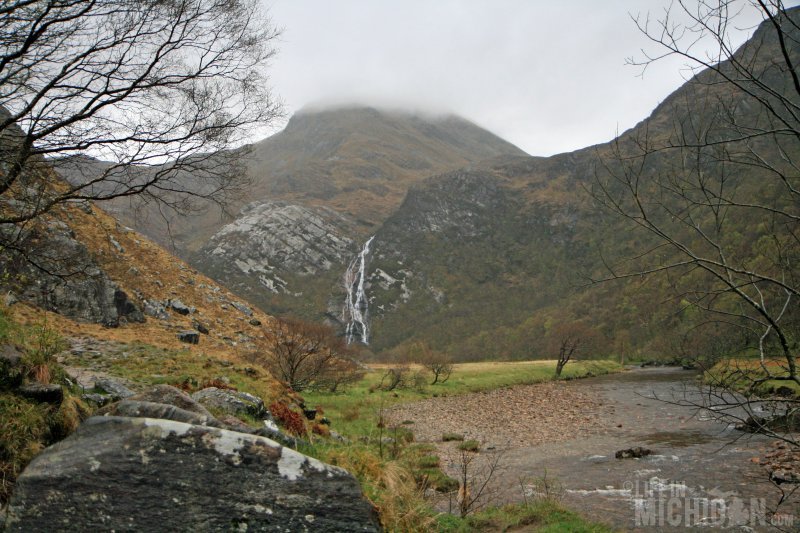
201, 328
10, 299
167, 394
242, 308
270, 242
156, 309
255, 322
126, 309
98, 399
232, 402
116, 244
142, 474
144, 409
179, 307
189, 336
10, 355
41, 392
67, 279
114, 388
636, 452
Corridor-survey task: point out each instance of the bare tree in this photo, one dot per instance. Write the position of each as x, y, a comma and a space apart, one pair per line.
154, 88
716, 197
439, 364
475, 478
566, 349
306, 354
570, 339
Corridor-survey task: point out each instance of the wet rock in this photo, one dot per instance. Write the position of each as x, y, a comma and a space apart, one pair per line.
189, 337
114, 388
232, 402
41, 392
633, 453
132, 474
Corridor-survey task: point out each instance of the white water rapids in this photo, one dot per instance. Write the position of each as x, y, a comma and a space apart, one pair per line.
356, 304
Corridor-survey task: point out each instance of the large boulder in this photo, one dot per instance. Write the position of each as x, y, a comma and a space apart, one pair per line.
144, 474
232, 402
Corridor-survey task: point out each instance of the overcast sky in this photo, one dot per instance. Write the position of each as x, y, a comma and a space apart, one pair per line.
548, 76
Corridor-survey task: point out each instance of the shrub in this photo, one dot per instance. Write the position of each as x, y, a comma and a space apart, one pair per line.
291, 421
428, 461
470, 446
447, 437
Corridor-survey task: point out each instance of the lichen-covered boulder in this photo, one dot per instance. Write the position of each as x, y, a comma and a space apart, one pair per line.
145, 474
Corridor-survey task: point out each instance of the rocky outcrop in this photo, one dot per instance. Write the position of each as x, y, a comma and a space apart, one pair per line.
270, 241
145, 474
58, 273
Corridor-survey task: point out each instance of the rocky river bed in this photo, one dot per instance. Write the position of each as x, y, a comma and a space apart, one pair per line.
700, 472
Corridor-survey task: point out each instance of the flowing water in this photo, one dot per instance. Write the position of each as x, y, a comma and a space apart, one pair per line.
356, 303
700, 472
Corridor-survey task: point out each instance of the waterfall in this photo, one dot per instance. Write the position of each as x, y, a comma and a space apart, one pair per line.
354, 313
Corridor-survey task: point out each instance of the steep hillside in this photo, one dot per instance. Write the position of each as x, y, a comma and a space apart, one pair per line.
92, 260
357, 161
488, 260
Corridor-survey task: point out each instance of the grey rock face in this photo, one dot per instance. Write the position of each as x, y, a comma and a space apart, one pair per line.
59, 274
144, 474
272, 239
232, 402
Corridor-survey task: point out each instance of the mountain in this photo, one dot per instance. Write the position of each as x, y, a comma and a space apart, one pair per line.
402, 228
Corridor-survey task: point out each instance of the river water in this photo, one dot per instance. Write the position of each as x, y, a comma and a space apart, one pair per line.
700, 472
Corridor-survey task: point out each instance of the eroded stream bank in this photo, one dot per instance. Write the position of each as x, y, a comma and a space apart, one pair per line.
700, 473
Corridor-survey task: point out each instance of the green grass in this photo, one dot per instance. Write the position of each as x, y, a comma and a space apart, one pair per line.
355, 411
145, 365
543, 516
740, 373
470, 446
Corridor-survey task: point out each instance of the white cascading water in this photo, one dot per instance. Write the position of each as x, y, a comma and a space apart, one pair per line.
356, 303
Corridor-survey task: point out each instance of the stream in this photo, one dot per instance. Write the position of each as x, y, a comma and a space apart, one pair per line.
700, 472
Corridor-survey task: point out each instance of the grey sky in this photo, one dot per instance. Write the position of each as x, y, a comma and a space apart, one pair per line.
548, 76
